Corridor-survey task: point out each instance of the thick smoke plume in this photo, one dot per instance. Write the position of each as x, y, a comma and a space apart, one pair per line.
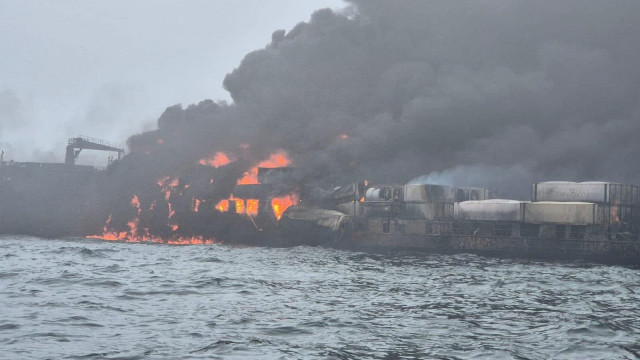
488, 93
498, 93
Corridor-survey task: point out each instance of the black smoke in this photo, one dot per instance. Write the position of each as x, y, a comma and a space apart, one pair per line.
498, 93
488, 93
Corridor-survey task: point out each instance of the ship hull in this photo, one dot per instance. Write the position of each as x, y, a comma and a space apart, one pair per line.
624, 252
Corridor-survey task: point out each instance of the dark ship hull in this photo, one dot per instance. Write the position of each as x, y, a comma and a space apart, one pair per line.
600, 249
49, 200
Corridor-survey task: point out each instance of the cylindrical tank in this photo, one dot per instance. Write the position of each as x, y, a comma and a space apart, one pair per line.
378, 194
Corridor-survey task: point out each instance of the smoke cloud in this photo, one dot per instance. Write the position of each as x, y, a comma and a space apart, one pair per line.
501, 92
493, 93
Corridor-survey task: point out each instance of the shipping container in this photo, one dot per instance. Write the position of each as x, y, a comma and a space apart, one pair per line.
429, 211
590, 191
573, 213
490, 210
427, 193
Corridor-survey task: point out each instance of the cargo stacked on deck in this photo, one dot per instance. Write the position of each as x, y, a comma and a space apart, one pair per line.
558, 209
564, 220
576, 213
414, 209
514, 218
617, 204
436, 202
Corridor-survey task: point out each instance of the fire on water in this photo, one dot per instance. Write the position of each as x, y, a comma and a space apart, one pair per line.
130, 238
135, 235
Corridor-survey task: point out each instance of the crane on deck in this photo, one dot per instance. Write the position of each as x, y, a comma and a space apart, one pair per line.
77, 144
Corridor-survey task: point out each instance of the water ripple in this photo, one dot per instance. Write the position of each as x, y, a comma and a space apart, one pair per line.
241, 302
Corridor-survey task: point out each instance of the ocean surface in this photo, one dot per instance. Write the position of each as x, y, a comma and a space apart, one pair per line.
91, 299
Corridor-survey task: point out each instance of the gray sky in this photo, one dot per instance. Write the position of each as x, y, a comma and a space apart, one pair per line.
108, 69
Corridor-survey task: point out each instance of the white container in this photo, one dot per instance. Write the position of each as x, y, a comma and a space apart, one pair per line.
589, 191
429, 211
572, 213
490, 210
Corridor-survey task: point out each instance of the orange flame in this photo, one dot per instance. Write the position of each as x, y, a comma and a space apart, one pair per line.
277, 159
281, 204
168, 181
171, 211
217, 160
136, 235
196, 205
135, 202
252, 206
147, 238
223, 205
239, 206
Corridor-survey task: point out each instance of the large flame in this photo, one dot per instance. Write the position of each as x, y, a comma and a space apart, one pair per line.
281, 204
251, 206
172, 186
217, 160
277, 159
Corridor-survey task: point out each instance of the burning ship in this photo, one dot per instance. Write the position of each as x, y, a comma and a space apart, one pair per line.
274, 204
375, 92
